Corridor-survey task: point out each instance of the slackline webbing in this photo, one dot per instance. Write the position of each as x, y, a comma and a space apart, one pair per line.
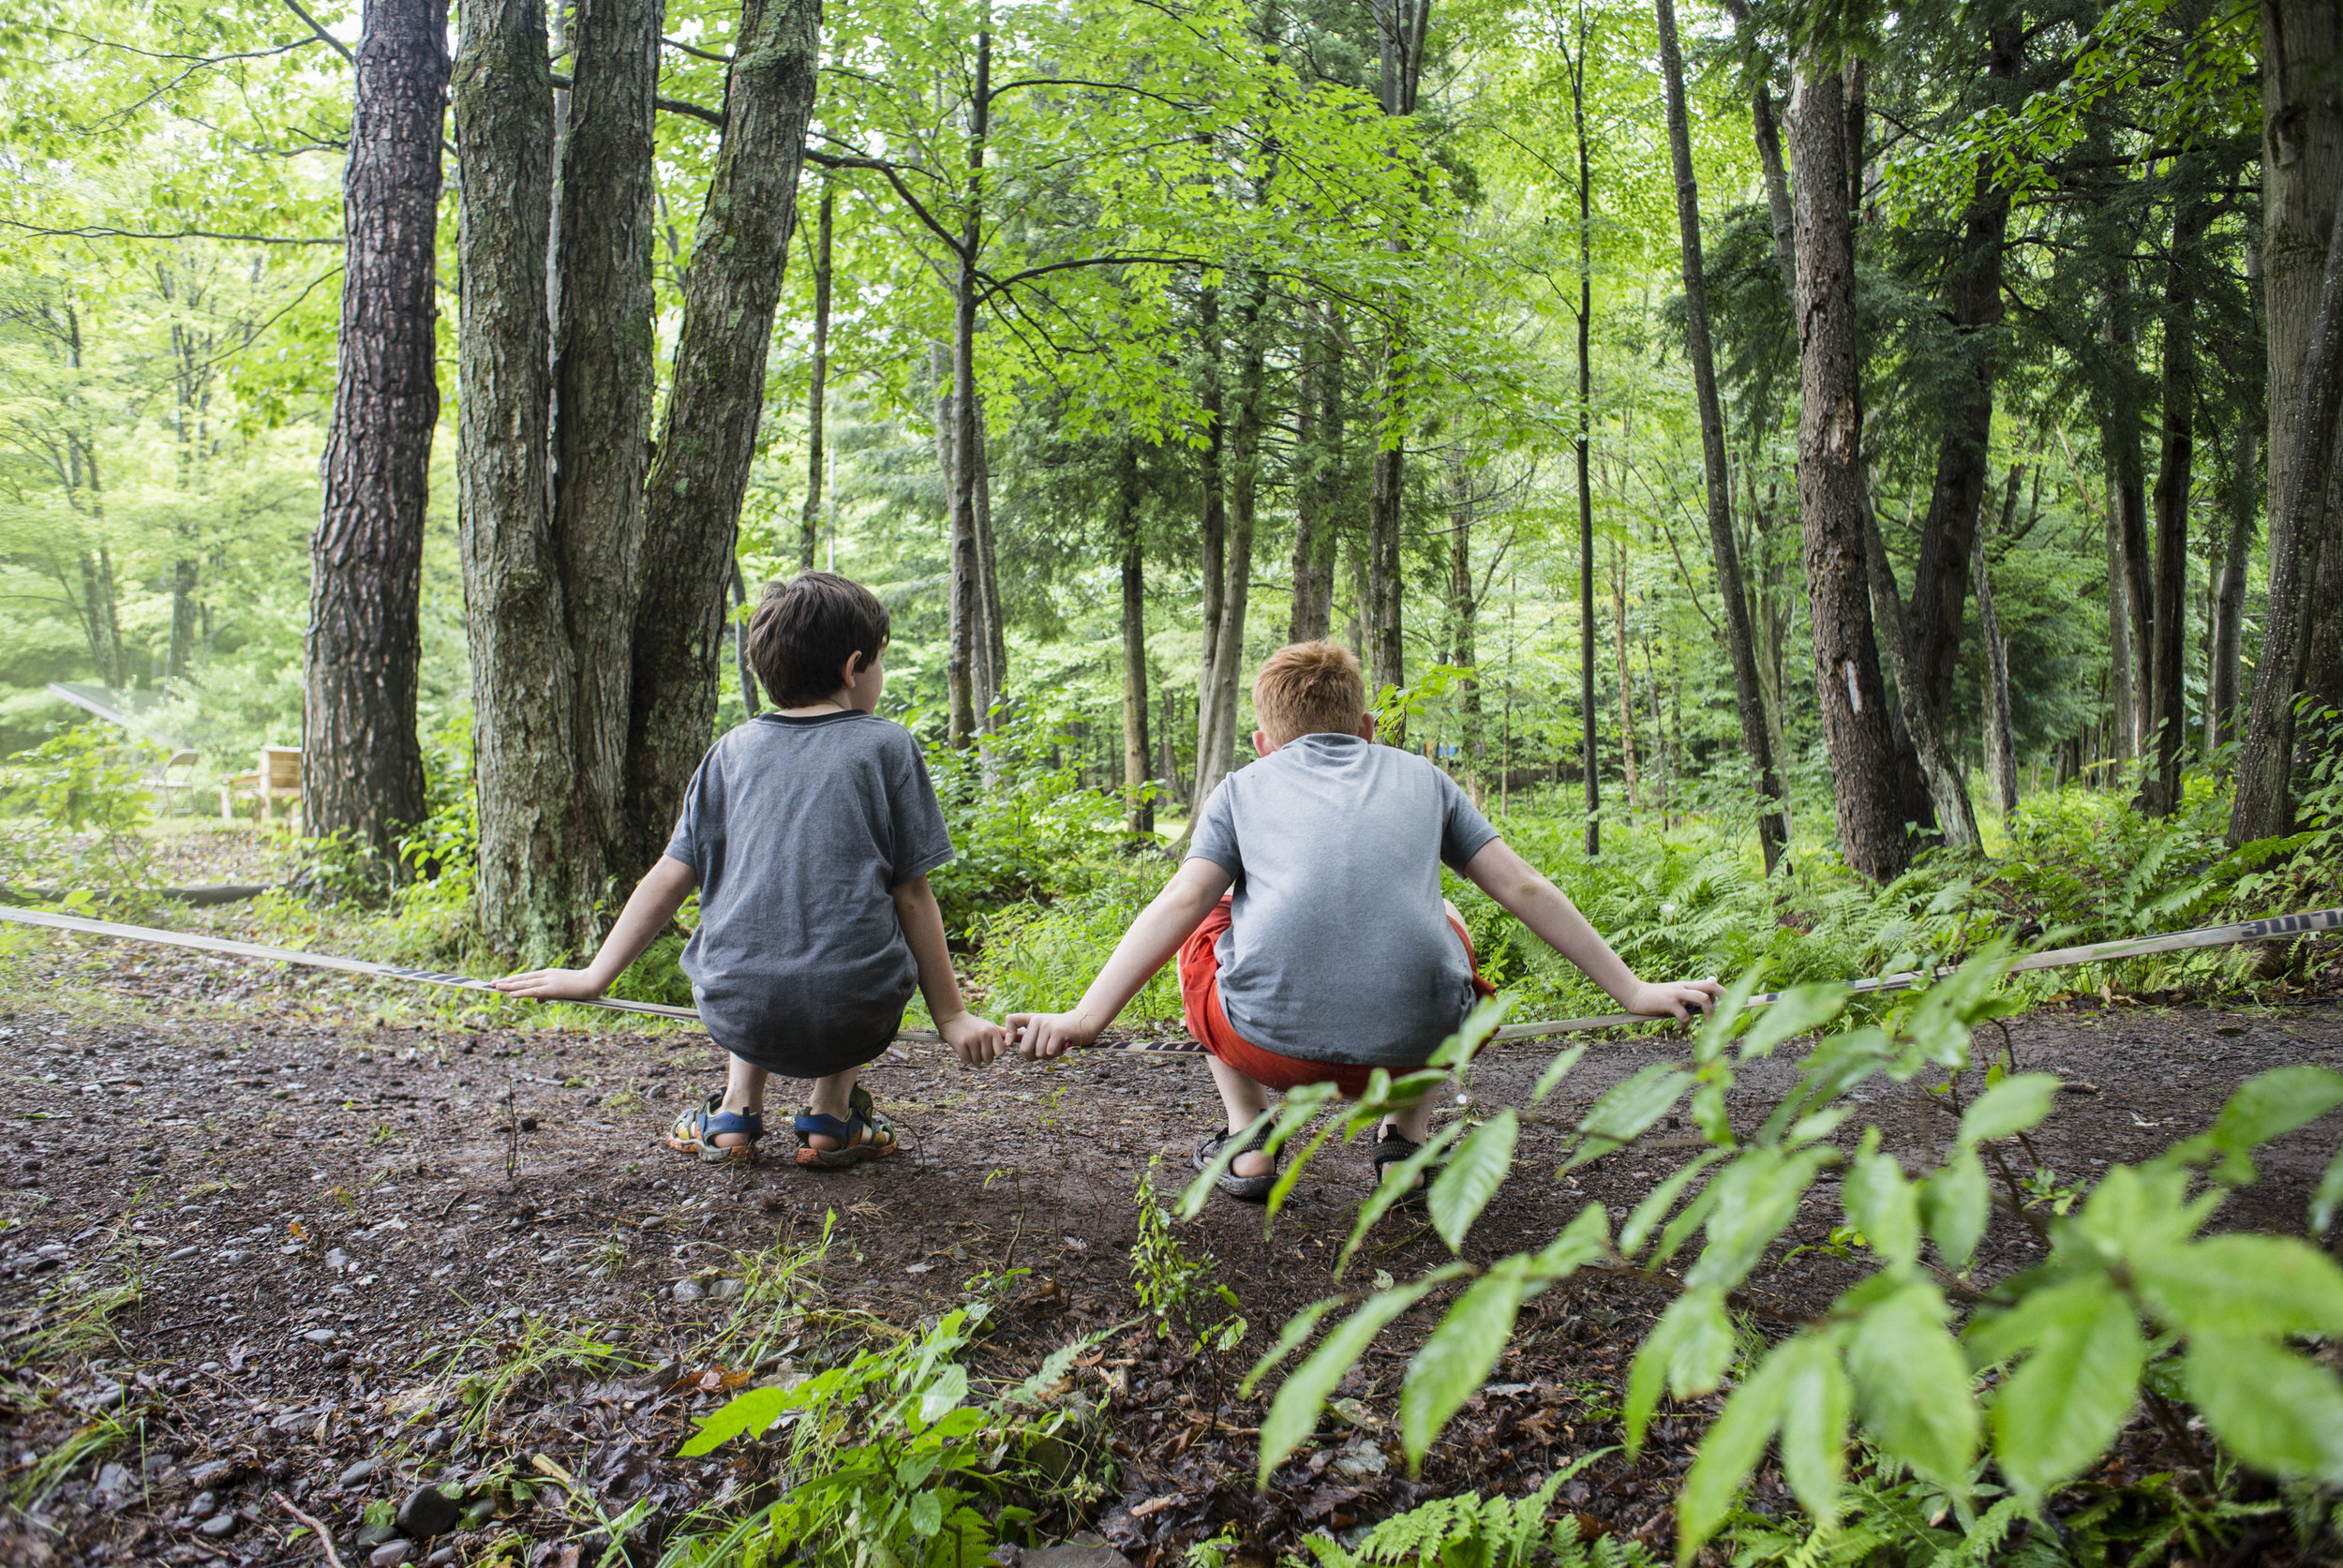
2311, 923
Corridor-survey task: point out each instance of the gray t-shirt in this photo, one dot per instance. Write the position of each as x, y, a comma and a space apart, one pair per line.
801, 829
1338, 950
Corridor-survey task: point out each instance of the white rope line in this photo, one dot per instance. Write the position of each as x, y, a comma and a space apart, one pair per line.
2311, 923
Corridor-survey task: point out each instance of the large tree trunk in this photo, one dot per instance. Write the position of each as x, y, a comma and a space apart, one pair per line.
1140, 813
708, 438
967, 588
604, 366
1225, 657
2303, 549
1732, 588
1401, 26
2228, 599
534, 822
1940, 581
2128, 491
817, 393
2000, 757
1316, 483
362, 760
1832, 505
1211, 526
2121, 710
1919, 745
992, 669
2159, 793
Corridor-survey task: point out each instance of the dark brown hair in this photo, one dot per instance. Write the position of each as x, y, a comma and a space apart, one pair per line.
1309, 687
806, 628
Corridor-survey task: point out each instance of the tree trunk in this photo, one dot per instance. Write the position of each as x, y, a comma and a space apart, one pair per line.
1591, 774
1317, 485
362, 761
2122, 711
2129, 492
817, 395
1940, 581
2001, 755
708, 440
1212, 525
1217, 700
2229, 602
961, 494
605, 369
101, 617
1464, 611
1919, 743
2160, 794
748, 703
1401, 28
535, 833
1832, 505
1139, 812
1626, 684
991, 671
1731, 588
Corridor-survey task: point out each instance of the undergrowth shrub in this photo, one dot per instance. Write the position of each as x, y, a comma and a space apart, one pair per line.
1037, 957
1022, 823
73, 814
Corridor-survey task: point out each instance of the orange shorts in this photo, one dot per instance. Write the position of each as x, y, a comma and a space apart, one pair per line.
1199, 1006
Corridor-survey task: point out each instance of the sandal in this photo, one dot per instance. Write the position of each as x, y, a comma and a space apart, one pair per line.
1251, 1190
697, 1130
874, 1133
1392, 1147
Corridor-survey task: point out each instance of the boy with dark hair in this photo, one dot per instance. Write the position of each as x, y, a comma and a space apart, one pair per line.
810, 834
1335, 955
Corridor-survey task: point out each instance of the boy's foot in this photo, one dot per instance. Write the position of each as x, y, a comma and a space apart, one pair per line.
700, 1130
862, 1135
1392, 1147
1252, 1190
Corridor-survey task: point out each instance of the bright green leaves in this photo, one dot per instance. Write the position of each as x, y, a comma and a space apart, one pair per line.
1293, 1414
1939, 1022
1659, 1201
2267, 1106
1799, 1390
2067, 1399
2011, 1106
1912, 1383
1555, 1071
1955, 1204
2278, 1411
1755, 1199
2273, 1286
1687, 1354
1628, 1110
1883, 1205
1458, 1357
1800, 1012
1472, 1178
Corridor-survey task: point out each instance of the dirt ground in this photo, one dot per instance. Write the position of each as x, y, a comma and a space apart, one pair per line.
310, 1212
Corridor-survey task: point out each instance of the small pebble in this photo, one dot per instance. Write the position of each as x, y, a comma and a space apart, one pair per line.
725, 1290
688, 1290
357, 1472
218, 1525
320, 1336
392, 1553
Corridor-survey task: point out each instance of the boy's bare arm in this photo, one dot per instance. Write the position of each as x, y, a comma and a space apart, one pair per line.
976, 1039
1145, 948
1536, 903
655, 899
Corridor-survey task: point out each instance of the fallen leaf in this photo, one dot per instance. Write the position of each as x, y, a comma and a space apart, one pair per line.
1156, 1506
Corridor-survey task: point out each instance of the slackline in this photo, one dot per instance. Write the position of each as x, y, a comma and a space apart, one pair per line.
2311, 923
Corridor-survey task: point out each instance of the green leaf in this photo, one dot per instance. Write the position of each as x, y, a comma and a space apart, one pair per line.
940, 1397
2274, 1286
2066, 1402
1814, 1400
1912, 1385
927, 1513
1688, 1351
1457, 1356
1884, 1207
1659, 1201
1298, 1328
2269, 1105
2278, 1411
1800, 1011
1398, 1181
1955, 1204
2329, 1197
1555, 1071
1756, 1198
1464, 1189
1473, 1032
1628, 1109
1582, 1241
1716, 1030
1729, 1450
1293, 1414
1679, 1230
2011, 1106
750, 1410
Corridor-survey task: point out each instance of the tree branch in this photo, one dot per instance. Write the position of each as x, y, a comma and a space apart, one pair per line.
678, 45
92, 232
339, 47
893, 177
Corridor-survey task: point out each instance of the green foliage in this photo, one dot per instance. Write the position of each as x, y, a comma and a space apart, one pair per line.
1474, 1531
1041, 957
76, 807
2129, 1291
1192, 1309
1020, 819
891, 1459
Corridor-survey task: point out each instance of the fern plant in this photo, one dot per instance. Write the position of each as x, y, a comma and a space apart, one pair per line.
1474, 1532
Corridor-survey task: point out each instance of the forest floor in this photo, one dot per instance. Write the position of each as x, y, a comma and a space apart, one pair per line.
246, 1231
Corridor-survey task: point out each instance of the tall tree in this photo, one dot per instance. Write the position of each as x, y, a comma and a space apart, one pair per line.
817, 395
1401, 29
1139, 811
362, 761
708, 437
1833, 499
1724, 550
1225, 653
1316, 477
1580, 442
2159, 792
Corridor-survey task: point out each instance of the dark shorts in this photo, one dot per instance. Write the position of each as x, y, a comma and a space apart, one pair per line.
1199, 1006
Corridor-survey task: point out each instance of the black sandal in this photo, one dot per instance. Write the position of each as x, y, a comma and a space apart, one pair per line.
1251, 1190
1392, 1147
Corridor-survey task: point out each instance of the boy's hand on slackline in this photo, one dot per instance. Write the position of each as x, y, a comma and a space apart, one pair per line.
555, 985
1674, 998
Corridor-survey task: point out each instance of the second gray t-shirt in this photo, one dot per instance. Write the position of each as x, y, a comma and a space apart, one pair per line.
1338, 950
800, 830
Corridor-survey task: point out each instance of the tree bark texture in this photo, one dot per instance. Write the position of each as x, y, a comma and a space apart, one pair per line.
1590, 777
709, 438
1464, 609
817, 395
362, 760
1725, 552
1212, 525
1225, 658
2228, 598
1317, 486
1920, 744
535, 821
2174, 473
967, 589
604, 355
992, 669
1940, 581
2122, 711
2303, 548
1627, 758
1140, 815
2129, 488
2000, 757
1832, 503
1386, 662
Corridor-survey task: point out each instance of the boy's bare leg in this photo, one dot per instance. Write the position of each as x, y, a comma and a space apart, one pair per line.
1245, 1101
744, 1095
832, 1096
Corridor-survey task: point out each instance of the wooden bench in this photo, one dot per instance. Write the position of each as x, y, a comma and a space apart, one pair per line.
277, 777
